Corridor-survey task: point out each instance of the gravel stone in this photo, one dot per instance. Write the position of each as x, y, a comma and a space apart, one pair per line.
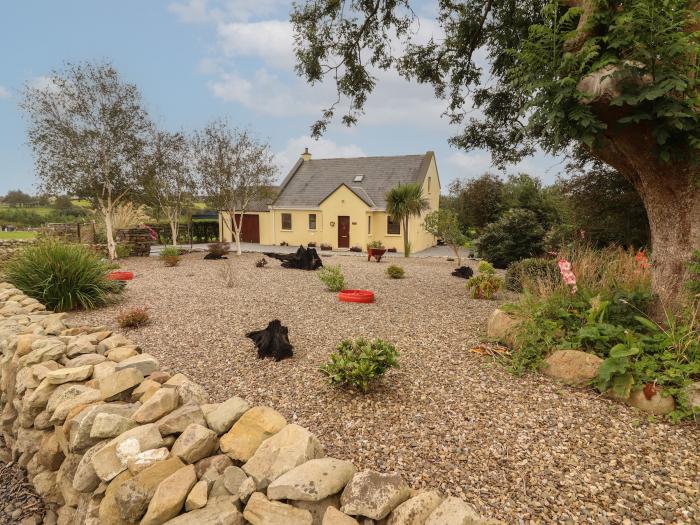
520, 449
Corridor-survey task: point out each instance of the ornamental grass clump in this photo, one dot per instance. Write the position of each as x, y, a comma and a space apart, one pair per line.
332, 277
395, 272
62, 276
134, 318
170, 256
359, 363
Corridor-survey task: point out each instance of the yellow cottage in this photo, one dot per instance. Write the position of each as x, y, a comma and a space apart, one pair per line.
341, 203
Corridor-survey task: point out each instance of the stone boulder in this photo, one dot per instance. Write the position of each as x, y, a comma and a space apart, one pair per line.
169, 498
144, 363
373, 494
197, 498
145, 459
80, 427
108, 425
117, 383
161, 403
261, 511
86, 479
179, 419
134, 495
108, 463
416, 510
453, 511
314, 480
195, 443
221, 418
502, 327
67, 375
334, 517
213, 467
290, 447
255, 426
219, 512
572, 367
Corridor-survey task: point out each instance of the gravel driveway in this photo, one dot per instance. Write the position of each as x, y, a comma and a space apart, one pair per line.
523, 449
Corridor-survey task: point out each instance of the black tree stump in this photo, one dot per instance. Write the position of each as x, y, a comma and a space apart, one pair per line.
273, 341
464, 272
303, 259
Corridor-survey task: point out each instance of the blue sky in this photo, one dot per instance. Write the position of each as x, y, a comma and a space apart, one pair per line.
195, 60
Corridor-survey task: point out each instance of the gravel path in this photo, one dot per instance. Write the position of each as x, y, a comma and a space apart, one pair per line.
523, 449
19, 502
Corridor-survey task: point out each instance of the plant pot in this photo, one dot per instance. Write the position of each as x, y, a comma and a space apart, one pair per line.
356, 296
377, 253
120, 276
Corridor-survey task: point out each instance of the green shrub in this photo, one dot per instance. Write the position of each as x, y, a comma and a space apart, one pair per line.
529, 271
133, 318
360, 362
486, 284
62, 276
332, 277
123, 250
517, 235
607, 317
375, 245
395, 272
170, 255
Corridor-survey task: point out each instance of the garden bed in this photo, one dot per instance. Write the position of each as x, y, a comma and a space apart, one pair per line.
515, 447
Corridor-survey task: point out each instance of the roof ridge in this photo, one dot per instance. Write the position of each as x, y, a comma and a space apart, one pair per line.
370, 157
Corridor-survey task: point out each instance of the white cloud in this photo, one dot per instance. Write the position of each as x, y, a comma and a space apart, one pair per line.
270, 40
192, 11
320, 149
200, 11
4, 92
473, 164
265, 93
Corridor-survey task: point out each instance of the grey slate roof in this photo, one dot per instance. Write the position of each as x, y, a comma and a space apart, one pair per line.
262, 204
310, 182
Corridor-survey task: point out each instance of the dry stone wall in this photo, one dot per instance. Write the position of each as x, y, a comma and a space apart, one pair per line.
108, 438
9, 246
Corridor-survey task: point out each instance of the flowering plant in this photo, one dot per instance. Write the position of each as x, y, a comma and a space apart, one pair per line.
567, 274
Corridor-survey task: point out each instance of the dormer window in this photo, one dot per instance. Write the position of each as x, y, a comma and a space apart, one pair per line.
358, 178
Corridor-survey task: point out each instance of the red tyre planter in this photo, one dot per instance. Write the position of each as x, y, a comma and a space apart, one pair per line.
356, 296
120, 276
377, 253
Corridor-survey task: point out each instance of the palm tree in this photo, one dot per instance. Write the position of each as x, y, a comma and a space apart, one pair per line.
403, 202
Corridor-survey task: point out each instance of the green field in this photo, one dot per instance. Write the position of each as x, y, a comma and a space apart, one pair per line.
17, 235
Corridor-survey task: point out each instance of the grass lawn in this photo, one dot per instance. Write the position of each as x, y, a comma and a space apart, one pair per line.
17, 235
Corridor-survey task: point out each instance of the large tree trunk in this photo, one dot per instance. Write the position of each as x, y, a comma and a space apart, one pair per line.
670, 192
174, 228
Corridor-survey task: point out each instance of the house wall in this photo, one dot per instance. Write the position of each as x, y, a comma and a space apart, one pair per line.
345, 202
300, 232
265, 218
420, 239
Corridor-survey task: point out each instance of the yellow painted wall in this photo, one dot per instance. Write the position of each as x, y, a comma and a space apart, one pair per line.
300, 232
345, 202
420, 239
265, 221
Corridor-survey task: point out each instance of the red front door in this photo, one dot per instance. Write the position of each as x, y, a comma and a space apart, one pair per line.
343, 232
250, 231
